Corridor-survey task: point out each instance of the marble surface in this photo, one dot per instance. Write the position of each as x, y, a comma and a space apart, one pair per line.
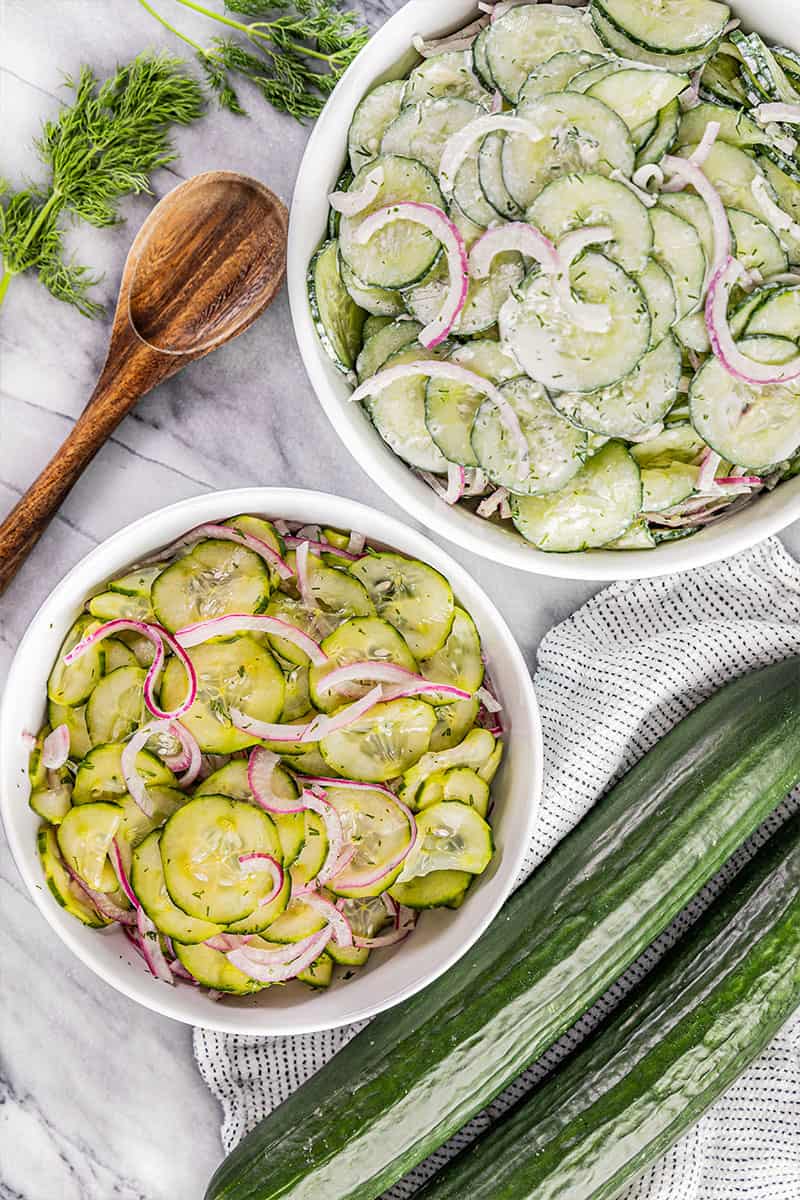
99, 1098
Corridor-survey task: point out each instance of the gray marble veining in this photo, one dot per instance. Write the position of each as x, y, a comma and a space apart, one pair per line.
99, 1098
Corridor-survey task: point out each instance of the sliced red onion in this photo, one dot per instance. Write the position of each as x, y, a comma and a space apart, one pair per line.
151, 948
356, 544
392, 908
690, 98
462, 39
387, 672
179, 969
788, 113
122, 875
738, 480
318, 547
645, 175
703, 147
433, 369
323, 726
340, 926
192, 750
641, 194
228, 941
226, 533
723, 344
133, 780
260, 769
497, 102
446, 232
204, 631
476, 482
104, 904
685, 171
491, 504
28, 739
55, 748
456, 483
257, 861
516, 235
776, 216
342, 880
709, 465
279, 954
269, 731
350, 204
489, 702
333, 828
282, 527
459, 144
278, 972
594, 318
303, 579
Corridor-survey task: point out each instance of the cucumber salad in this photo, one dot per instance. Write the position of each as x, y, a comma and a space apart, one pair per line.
267, 748
563, 268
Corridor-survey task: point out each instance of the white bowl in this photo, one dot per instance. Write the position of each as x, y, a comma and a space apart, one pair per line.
385, 57
389, 977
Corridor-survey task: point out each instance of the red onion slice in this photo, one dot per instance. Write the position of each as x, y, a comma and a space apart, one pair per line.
271, 732
434, 369
303, 578
194, 754
776, 216
333, 828
703, 147
323, 726
516, 235
226, 533
683, 171
204, 631
257, 861
450, 237
260, 769
319, 547
122, 875
490, 505
245, 959
406, 922
723, 344
489, 702
460, 143
105, 906
788, 113
151, 948
387, 672
594, 318
55, 748
340, 926
356, 544
133, 780
28, 739
228, 941
709, 465
350, 204
456, 483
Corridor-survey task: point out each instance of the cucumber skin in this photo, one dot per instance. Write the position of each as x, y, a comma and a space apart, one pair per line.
399, 1089
709, 1008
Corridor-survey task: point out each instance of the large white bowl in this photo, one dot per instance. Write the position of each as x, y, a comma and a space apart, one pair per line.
441, 938
387, 56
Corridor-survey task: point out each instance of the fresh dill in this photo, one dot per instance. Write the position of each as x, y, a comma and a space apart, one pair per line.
100, 147
293, 51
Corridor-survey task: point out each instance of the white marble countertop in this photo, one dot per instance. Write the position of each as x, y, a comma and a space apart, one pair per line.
99, 1098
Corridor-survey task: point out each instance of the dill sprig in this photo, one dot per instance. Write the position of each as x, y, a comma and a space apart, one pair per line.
294, 51
103, 145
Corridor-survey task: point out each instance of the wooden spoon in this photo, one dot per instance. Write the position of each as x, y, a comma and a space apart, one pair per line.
207, 261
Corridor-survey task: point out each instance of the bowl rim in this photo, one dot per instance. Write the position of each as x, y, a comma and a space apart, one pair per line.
167, 1001
769, 513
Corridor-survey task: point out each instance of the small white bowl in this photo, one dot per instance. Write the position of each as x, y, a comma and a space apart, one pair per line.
390, 976
388, 56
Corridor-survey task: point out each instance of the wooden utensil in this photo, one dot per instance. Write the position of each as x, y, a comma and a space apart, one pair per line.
207, 261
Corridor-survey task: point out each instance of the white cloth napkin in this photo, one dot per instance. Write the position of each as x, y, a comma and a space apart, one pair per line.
612, 680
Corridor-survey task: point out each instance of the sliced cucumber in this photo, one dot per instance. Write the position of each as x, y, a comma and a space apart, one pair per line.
557, 73
459, 783
65, 892
450, 407
458, 662
662, 139
318, 974
433, 890
265, 915
99, 775
401, 252
475, 751
787, 190
337, 317
367, 916
361, 639
695, 211
667, 26
299, 921
73, 684
379, 830
420, 131
575, 201
313, 853
370, 121
112, 606
84, 839
52, 802
238, 673
621, 44
635, 404
147, 880
212, 969
490, 176
410, 595
445, 75
660, 296
118, 654
383, 743
480, 63
115, 706
678, 249
453, 723
752, 426
527, 36
297, 699
638, 537
574, 133
200, 848
469, 196
215, 578
736, 128
556, 448
598, 505
721, 82
375, 322
450, 837
778, 313
383, 344
692, 333
137, 582
637, 96
376, 301
136, 825
231, 780
676, 443
347, 956
758, 247
556, 351
662, 487
75, 721
398, 413
732, 172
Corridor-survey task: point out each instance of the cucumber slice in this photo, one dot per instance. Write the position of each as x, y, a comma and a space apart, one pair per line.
662, 139
377, 827
65, 892
480, 63
319, 974
231, 780
453, 723
398, 413
52, 803
662, 487
638, 537
313, 852
577, 200
420, 131
676, 443
445, 75
753, 426
375, 322
721, 81
757, 245
598, 505
637, 95
264, 915
110, 606
367, 916
660, 296
668, 26
75, 721
238, 673
383, 743
732, 172
490, 176
489, 769
450, 837
575, 133
557, 73
527, 36
612, 37
383, 344
73, 684
337, 318
556, 448
136, 825
787, 190
581, 83
469, 196
374, 300
778, 313
450, 408
99, 775
692, 209
678, 249
211, 969
299, 921
410, 595
460, 784
297, 699
38, 774
370, 121
402, 252
735, 127
334, 217
433, 890
560, 354
118, 654
116, 705
200, 848
347, 956
635, 404
84, 839
137, 582
215, 578
475, 751
265, 531
459, 661
147, 880
361, 639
